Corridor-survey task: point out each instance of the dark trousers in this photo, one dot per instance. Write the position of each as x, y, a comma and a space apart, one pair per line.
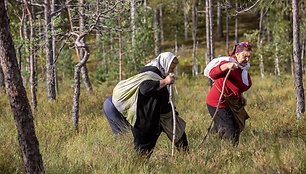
116, 120
143, 145
225, 123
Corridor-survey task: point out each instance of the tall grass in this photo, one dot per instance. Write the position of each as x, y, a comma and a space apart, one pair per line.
272, 142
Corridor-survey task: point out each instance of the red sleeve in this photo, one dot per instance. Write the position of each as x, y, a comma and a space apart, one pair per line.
216, 72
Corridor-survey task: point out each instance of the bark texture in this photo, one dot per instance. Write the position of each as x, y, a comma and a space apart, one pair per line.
157, 32
49, 55
21, 109
194, 37
82, 55
186, 19
261, 63
298, 73
76, 93
133, 22
219, 20
236, 22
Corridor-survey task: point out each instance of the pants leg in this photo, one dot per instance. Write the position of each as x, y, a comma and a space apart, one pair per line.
144, 142
116, 120
225, 123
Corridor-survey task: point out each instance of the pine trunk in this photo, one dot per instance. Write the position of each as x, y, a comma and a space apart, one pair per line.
157, 32
20, 106
84, 70
120, 17
298, 73
161, 23
33, 79
98, 35
54, 46
104, 59
2, 84
302, 56
21, 38
176, 34
76, 93
236, 22
227, 29
219, 20
49, 55
27, 50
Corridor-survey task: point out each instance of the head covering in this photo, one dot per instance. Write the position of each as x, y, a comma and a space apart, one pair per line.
163, 62
241, 46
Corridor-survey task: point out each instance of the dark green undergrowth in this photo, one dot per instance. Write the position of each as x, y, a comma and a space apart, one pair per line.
272, 142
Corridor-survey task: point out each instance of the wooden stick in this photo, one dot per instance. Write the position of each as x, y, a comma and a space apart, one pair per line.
215, 114
174, 119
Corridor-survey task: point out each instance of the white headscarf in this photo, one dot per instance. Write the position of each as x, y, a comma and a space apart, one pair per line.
215, 62
163, 62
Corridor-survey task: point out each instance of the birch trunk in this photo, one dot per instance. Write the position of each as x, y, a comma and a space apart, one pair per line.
261, 63
298, 73
194, 36
133, 16
276, 64
208, 36
211, 30
292, 65
207, 22
29, 145
186, 19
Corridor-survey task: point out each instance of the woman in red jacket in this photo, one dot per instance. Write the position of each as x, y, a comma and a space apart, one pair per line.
231, 116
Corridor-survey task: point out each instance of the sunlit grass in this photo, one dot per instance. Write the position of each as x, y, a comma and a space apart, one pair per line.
272, 142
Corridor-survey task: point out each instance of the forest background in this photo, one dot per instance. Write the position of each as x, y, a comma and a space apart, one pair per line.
72, 53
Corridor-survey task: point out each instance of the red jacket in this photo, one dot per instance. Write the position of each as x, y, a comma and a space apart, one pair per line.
233, 88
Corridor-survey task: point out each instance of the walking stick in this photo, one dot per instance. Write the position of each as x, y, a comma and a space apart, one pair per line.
213, 118
174, 118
